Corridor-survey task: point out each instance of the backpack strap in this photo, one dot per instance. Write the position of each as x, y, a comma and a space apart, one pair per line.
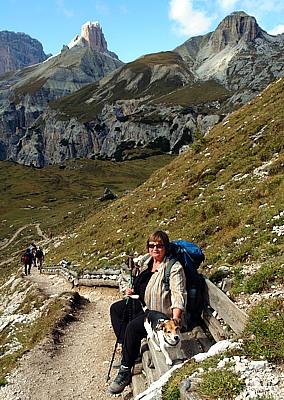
167, 272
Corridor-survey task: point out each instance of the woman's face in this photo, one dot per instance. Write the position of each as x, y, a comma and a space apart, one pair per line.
157, 250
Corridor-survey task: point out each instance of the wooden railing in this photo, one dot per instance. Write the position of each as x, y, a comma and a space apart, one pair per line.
100, 277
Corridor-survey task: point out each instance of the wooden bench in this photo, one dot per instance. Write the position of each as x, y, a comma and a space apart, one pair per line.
220, 316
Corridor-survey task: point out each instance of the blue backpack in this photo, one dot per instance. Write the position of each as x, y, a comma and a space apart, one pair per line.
190, 256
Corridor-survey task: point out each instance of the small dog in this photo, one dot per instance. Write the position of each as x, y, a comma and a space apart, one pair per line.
164, 332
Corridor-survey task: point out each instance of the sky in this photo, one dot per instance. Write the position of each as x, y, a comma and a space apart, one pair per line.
131, 28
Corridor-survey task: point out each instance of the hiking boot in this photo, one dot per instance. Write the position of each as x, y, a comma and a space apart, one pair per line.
122, 379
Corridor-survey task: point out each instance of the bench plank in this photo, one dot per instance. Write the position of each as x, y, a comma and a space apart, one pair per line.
214, 326
147, 362
225, 308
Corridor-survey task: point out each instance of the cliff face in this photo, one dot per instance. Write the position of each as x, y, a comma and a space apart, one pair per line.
18, 50
235, 27
80, 104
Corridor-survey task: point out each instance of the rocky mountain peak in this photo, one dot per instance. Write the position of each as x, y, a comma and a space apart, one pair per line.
18, 50
235, 27
91, 36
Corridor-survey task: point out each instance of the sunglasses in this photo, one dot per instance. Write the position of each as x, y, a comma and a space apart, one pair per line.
158, 246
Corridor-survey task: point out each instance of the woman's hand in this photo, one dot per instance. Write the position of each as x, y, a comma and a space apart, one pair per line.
177, 313
129, 291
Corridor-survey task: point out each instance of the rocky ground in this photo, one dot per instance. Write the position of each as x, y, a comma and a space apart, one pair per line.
76, 367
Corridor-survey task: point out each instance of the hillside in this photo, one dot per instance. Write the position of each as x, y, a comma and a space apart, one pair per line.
62, 196
225, 193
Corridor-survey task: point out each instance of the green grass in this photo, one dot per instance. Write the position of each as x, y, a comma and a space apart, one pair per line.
215, 383
218, 384
264, 335
62, 196
198, 93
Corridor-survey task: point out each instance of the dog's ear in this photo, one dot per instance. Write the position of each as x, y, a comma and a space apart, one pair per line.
160, 325
178, 322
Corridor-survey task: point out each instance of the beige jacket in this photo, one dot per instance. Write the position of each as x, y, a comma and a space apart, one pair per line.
156, 296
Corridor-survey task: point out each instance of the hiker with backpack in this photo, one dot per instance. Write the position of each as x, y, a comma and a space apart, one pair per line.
127, 317
39, 255
27, 259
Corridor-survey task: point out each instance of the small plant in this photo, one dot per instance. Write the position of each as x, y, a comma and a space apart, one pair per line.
217, 276
264, 335
220, 384
3, 382
215, 384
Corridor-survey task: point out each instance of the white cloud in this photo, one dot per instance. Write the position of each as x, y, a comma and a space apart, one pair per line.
277, 30
188, 21
227, 5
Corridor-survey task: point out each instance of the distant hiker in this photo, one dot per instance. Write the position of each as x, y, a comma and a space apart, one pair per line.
39, 255
27, 259
50, 235
33, 249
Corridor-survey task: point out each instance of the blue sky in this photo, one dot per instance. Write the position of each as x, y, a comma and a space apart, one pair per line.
131, 27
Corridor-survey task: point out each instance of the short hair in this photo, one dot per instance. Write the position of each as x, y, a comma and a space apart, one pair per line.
159, 236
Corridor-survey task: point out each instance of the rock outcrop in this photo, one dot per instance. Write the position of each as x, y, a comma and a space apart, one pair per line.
93, 37
18, 50
235, 27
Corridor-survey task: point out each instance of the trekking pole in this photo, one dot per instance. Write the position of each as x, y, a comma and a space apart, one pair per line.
131, 266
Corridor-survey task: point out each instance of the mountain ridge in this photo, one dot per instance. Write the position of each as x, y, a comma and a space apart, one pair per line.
160, 102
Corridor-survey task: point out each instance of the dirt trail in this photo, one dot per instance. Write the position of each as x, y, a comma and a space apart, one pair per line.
76, 368
38, 229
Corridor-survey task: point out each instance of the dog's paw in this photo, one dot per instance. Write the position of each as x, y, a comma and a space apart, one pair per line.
169, 361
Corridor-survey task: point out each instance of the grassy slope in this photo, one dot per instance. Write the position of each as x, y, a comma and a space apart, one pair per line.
168, 89
61, 198
225, 194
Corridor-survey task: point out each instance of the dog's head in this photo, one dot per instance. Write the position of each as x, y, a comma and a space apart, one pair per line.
171, 330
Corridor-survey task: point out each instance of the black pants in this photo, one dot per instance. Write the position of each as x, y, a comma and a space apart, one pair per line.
128, 324
27, 266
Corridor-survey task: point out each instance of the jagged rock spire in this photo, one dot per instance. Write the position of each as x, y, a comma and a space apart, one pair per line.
92, 36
